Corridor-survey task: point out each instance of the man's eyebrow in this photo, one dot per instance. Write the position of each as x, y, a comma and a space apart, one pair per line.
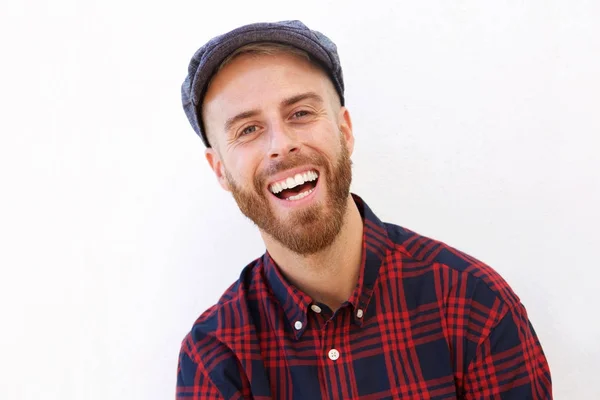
233, 120
299, 97
285, 103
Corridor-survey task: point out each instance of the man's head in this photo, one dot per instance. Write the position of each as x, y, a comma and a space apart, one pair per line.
205, 62
281, 142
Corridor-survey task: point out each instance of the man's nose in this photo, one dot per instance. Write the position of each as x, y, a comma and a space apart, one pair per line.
283, 141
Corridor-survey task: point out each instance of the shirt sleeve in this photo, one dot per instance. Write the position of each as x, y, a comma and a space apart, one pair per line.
208, 370
510, 363
193, 382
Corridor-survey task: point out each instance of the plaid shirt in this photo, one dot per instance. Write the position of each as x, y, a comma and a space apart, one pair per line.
425, 321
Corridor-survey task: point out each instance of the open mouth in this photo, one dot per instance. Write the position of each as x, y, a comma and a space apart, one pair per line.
296, 187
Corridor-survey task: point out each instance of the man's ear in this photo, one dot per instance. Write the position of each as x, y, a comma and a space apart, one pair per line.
345, 125
215, 162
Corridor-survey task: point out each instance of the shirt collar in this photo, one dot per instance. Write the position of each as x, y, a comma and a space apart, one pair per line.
375, 246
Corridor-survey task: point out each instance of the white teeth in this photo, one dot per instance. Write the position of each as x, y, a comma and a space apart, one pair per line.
299, 179
300, 195
294, 181
291, 182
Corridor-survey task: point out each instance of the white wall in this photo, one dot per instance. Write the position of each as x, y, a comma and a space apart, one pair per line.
477, 123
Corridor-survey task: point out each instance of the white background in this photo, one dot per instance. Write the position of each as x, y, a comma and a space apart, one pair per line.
476, 123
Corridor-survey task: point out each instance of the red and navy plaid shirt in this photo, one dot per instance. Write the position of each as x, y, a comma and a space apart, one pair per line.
425, 321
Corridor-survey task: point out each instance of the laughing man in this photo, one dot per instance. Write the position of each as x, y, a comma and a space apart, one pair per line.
341, 305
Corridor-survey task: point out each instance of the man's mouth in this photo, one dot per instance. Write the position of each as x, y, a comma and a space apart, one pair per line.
295, 187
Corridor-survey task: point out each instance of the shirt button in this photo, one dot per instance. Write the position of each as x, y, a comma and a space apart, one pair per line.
359, 313
316, 308
298, 325
334, 354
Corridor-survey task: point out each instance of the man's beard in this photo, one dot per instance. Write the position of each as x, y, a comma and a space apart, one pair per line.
312, 228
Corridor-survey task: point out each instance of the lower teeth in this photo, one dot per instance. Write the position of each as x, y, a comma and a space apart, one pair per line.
300, 195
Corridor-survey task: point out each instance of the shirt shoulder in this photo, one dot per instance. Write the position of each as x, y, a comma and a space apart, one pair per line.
209, 355
232, 308
433, 256
478, 308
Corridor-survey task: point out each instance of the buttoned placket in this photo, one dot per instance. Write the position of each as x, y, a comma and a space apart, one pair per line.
335, 352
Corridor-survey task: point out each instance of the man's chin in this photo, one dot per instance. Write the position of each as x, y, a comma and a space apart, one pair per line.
305, 232
299, 218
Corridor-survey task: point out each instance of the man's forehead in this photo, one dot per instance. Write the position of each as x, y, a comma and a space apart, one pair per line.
247, 64
259, 79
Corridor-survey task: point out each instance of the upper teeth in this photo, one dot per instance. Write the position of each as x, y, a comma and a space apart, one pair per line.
293, 181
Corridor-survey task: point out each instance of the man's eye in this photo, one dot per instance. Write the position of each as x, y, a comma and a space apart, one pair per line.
248, 130
300, 114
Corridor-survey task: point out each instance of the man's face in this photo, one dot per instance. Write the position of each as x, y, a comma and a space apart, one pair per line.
281, 145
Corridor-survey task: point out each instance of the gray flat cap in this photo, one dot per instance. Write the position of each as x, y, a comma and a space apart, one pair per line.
208, 58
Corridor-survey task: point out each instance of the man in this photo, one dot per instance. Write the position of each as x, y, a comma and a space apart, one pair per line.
341, 305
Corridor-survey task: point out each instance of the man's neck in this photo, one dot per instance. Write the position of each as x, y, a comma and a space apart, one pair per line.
330, 275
